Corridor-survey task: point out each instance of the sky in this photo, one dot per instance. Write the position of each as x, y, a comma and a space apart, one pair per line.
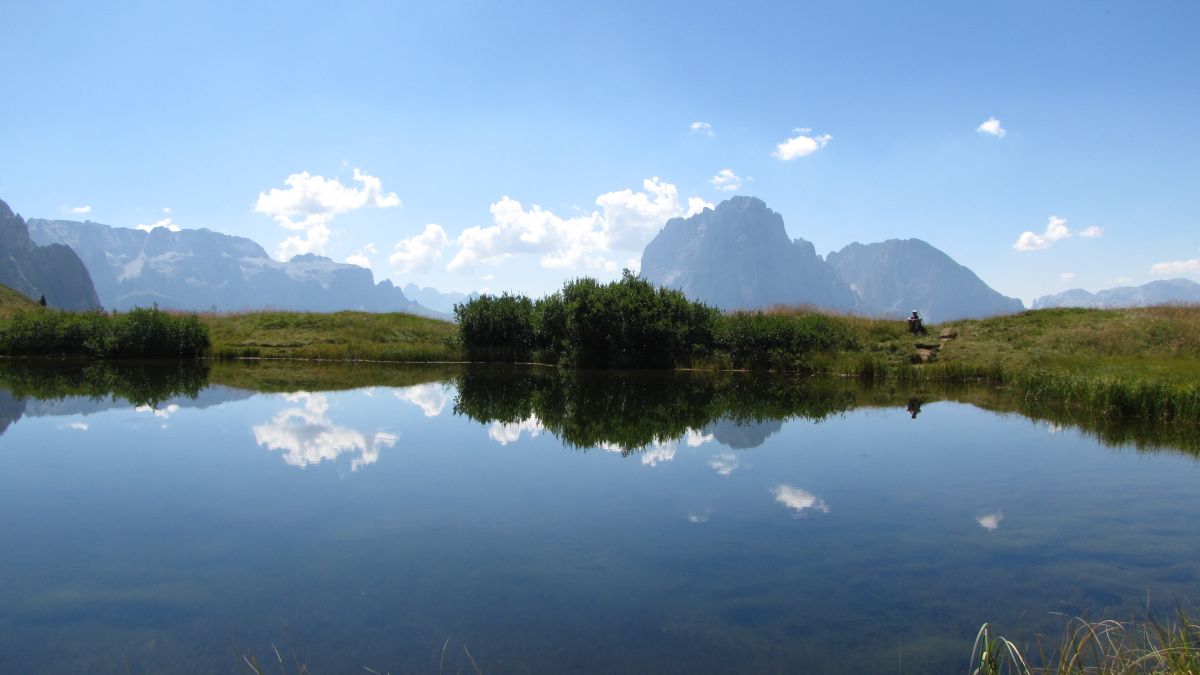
511, 146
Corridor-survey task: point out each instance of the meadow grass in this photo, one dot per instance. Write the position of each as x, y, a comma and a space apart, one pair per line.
13, 301
1142, 362
342, 336
1094, 648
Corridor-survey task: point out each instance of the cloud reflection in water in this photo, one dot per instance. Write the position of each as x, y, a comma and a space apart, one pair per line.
800, 501
431, 398
307, 436
511, 432
990, 521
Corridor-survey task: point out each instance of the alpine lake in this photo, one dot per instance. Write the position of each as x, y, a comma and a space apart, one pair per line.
198, 518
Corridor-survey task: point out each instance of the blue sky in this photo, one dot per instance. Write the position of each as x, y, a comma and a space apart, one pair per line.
446, 108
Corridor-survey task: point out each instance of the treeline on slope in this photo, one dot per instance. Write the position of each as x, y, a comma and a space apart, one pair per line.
138, 333
630, 323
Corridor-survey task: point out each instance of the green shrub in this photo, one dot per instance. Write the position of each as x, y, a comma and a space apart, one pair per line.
782, 341
624, 324
497, 328
139, 333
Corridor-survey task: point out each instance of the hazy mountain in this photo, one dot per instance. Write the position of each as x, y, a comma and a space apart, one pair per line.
739, 256
54, 270
202, 270
896, 276
436, 300
1170, 291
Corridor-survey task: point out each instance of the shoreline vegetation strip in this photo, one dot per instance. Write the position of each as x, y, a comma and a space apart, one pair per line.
1141, 362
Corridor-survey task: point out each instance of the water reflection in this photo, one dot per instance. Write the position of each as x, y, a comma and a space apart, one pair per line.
305, 435
510, 432
801, 502
725, 463
990, 521
633, 412
639, 412
691, 542
431, 398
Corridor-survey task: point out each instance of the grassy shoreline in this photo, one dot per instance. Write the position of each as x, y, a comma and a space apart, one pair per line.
1129, 363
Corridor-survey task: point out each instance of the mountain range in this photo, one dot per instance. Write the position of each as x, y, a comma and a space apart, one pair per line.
734, 256
436, 300
53, 271
1168, 291
203, 270
738, 256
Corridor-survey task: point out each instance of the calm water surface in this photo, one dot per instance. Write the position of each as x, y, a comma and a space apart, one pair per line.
550, 523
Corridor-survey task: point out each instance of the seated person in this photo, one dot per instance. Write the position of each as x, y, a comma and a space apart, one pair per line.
915, 325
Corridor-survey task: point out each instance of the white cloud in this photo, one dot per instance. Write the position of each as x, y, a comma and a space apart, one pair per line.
78, 426
307, 436
418, 253
990, 521
1056, 229
1092, 232
1066, 276
699, 516
801, 145
625, 221
165, 222
702, 128
511, 432
696, 439
310, 203
361, 258
1124, 279
991, 127
726, 180
432, 399
1176, 266
800, 501
80, 209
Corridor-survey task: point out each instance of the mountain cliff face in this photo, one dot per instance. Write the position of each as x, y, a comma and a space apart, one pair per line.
54, 271
203, 270
897, 276
739, 256
1169, 291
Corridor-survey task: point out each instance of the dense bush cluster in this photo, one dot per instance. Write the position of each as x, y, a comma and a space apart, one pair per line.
632, 324
138, 333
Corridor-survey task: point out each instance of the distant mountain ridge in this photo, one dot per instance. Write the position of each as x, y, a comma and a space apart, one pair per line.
52, 270
738, 256
201, 270
435, 299
896, 276
1168, 291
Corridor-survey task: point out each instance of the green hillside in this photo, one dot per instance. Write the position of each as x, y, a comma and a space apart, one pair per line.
12, 301
337, 336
